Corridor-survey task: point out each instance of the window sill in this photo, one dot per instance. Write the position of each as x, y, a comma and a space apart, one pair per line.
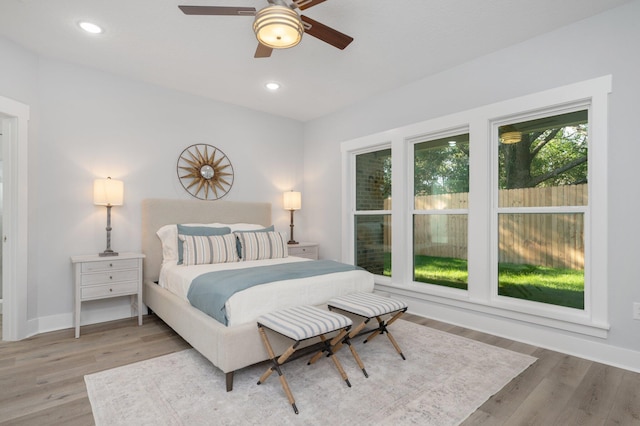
573, 323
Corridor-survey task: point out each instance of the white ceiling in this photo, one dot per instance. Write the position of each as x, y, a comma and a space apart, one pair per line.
396, 42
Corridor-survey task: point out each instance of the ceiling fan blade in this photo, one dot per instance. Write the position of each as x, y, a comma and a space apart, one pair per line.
306, 4
326, 34
218, 10
263, 51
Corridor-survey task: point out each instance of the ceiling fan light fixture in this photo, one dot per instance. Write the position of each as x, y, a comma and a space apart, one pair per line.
278, 27
509, 135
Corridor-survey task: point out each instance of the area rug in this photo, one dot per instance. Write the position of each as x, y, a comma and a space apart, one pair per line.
444, 379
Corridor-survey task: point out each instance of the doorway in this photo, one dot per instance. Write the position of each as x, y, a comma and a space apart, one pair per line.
4, 134
14, 118
1, 228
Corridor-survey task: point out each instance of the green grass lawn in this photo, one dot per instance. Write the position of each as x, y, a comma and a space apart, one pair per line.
563, 287
446, 271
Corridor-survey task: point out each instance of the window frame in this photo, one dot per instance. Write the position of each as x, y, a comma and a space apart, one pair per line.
411, 143
522, 305
349, 201
482, 123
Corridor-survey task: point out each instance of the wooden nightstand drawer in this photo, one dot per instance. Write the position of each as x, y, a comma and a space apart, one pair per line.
308, 250
101, 291
109, 277
107, 265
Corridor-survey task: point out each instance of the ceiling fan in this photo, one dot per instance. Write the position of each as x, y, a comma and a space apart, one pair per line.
278, 25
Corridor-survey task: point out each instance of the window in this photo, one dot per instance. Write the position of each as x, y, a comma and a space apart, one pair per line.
440, 200
372, 219
542, 202
501, 210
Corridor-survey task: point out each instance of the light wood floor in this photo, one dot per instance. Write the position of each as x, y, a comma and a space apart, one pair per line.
42, 378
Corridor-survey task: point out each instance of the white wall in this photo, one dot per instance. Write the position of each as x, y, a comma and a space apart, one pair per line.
18, 73
92, 124
86, 124
605, 44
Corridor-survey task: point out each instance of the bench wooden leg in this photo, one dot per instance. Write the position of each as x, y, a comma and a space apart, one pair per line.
300, 324
287, 391
395, 317
331, 347
382, 329
339, 341
377, 331
276, 367
340, 369
357, 358
395, 344
347, 340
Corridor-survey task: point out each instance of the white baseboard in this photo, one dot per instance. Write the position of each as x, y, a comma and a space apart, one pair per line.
548, 338
89, 315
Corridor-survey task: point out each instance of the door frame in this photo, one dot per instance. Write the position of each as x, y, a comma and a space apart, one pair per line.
14, 120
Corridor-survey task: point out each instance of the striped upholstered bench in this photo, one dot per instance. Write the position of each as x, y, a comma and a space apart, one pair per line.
368, 306
299, 324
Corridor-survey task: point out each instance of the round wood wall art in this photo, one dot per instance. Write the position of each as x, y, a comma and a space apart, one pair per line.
205, 172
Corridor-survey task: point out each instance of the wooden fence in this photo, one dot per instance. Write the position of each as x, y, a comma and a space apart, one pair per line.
547, 239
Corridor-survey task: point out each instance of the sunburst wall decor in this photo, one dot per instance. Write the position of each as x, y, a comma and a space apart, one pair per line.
205, 172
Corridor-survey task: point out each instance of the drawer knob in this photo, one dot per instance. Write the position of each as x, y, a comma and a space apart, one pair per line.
110, 277
111, 265
110, 289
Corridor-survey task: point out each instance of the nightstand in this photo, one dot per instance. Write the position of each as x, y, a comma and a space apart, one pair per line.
99, 277
308, 250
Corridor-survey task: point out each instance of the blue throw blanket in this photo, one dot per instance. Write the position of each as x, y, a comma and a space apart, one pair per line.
209, 292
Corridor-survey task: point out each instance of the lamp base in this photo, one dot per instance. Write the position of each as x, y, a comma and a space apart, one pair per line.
108, 253
292, 242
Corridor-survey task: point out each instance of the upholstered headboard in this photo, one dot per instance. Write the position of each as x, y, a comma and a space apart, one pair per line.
159, 212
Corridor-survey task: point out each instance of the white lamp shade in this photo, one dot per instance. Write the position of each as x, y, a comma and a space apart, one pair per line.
292, 200
108, 192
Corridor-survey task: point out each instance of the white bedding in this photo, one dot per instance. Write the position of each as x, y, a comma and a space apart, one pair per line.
245, 306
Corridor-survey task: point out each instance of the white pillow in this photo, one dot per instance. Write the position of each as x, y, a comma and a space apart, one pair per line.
168, 235
245, 227
200, 250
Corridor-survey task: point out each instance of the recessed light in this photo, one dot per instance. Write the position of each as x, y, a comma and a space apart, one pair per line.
272, 85
90, 27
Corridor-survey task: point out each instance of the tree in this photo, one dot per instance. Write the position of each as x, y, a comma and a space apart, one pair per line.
441, 169
552, 152
551, 157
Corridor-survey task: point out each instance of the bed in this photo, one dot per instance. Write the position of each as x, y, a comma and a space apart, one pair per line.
228, 347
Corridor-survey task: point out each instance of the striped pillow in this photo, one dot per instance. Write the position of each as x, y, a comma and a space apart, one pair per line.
200, 250
262, 245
